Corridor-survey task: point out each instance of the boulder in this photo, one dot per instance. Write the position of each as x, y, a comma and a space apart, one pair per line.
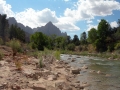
58, 66
61, 85
39, 87
75, 71
2, 63
84, 67
52, 77
73, 59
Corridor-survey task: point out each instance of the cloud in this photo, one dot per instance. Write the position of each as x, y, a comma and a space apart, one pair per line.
81, 10
88, 9
67, 26
89, 21
6, 8
98, 20
114, 24
35, 18
89, 26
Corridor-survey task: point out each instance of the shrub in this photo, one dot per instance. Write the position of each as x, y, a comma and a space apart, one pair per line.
35, 54
117, 46
91, 48
110, 48
71, 47
18, 65
15, 45
1, 41
1, 55
40, 63
57, 55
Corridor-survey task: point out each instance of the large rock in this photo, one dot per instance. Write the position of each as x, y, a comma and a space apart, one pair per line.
75, 71
2, 63
84, 67
52, 77
61, 85
39, 87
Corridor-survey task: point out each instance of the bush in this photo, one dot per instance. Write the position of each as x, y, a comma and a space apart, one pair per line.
91, 48
18, 64
71, 47
15, 45
110, 48
1, 41
57, 55
117, 46
40, 63
1, 55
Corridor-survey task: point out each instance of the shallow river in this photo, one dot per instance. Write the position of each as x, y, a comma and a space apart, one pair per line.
101, 74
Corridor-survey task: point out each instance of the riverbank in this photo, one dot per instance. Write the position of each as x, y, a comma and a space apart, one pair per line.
115, 55
23, 72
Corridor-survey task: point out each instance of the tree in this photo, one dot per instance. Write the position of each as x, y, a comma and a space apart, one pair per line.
102, 32
68, 40
60, 42
16, 32
76, 40
118, 22
39, 40
83, 38
3, 27
92, 35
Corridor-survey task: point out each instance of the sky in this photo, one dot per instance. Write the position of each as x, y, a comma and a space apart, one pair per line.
71, 16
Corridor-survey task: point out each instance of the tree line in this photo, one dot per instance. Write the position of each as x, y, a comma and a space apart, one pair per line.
104, 38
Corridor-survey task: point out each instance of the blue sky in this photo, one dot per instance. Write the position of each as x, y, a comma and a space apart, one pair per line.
71, 16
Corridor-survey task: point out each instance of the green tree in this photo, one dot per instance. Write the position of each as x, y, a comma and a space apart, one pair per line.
102, 32
4, 27
92, 35
68, 40
16, 32
39, 40
118, 22
76, 40
61, 42
83, 38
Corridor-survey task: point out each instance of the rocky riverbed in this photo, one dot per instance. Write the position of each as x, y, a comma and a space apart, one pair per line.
55, 74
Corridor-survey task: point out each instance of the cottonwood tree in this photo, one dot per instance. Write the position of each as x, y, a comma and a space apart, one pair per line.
92, 35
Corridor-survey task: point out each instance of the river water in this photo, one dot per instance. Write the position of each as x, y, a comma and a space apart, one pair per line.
102, 74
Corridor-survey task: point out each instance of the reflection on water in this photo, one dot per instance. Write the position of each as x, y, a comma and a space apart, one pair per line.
107, 79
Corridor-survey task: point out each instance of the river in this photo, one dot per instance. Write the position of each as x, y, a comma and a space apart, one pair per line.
102, 74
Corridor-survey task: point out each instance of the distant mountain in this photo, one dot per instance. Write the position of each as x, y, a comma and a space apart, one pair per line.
27, 29
48, 29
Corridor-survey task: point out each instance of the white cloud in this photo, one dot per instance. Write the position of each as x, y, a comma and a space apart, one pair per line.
98, 20
114, 24
6, 8
67, 26
89, 21
37, 18
91, 26
83, 10
88, 9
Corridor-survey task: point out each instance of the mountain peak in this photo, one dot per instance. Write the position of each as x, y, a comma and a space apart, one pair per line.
49, 23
